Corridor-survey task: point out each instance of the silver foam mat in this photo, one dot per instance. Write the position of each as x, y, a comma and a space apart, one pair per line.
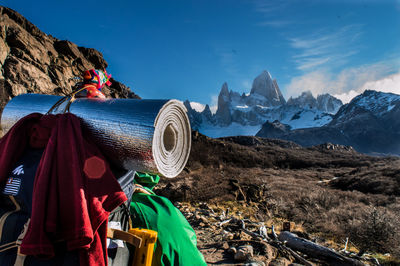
144, 135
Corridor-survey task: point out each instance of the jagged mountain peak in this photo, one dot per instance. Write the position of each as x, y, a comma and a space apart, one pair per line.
224, 95
328, 103
236, 111
307, 93
324, 102
224, 89
304, 95
375, 103
306, 100
265, 86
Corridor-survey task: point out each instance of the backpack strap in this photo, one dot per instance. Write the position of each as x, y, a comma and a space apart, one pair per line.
8, 246
3, 219
19, 261
5, 215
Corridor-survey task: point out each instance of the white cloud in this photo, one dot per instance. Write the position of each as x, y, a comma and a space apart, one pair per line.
307, 63
268, 7
388, 84
270, 11
214, 103
347, 96
325, 47
315, 82
275, 23
349, 82
246, 84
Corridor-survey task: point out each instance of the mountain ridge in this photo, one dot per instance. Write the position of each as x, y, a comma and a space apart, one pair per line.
264, 102
369, 123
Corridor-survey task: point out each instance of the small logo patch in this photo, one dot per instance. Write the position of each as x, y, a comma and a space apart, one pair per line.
12, 186
19, 170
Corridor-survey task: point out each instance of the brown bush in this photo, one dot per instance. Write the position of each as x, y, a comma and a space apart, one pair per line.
377, 230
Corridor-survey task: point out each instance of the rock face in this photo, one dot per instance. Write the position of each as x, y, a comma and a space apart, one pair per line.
369, 123
273, 130
328, 103
264, 103
223, 114
306, 99
264, 85
34, 62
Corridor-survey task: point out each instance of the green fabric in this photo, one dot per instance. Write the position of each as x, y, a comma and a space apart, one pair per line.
146, 180
176, 241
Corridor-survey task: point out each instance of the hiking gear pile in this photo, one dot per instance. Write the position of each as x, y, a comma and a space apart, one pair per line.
74, 189
60, 200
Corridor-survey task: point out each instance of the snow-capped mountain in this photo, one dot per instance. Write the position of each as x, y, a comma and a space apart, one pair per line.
370, 123
370, 102
244, 114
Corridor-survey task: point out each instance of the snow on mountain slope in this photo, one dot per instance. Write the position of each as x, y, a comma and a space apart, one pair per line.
369, 123
376, 103
198, 107
307, 118
244, 114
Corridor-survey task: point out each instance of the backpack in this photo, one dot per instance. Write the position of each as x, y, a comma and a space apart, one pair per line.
16, 208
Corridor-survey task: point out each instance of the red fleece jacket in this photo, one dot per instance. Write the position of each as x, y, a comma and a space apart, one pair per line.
74, 189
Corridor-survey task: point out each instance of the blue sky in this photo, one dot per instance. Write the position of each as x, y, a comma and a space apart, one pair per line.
186, 49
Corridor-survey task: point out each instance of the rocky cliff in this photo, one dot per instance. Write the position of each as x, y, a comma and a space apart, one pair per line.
34, 62
263, 85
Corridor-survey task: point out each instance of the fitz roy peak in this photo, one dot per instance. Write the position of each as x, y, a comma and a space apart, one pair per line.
263, 85
244, 114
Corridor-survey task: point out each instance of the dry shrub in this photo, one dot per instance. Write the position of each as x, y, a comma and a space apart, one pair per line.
327, 192
377, 230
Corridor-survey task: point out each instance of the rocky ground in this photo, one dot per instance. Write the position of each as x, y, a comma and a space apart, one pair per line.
235, 189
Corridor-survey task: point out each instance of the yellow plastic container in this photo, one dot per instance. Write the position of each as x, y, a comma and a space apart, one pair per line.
144, 254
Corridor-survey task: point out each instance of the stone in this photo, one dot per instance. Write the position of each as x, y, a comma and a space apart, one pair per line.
245, 236
280, 262
232, 250
227, 235
270, 252
4, 50
244, 253
255, 263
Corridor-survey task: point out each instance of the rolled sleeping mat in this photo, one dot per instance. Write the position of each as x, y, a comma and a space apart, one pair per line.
152, 136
